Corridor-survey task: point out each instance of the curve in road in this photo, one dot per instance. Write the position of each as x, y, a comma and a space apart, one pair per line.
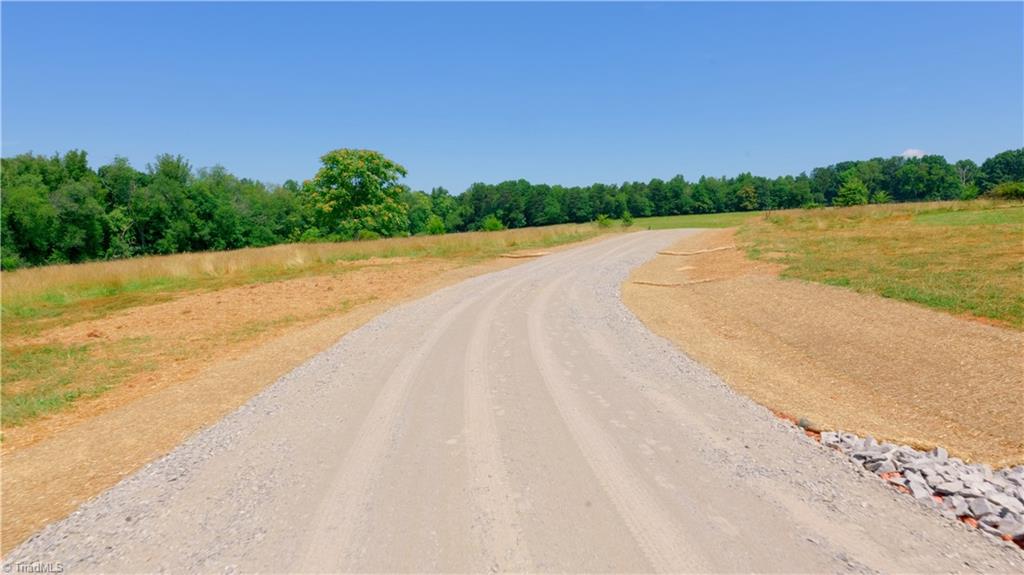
519, 421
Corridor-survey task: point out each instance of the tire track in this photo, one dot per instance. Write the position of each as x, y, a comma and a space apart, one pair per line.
502, 537
793, 510
340, 516
654, 529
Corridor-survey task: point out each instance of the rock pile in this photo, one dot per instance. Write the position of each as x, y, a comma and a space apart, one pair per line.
992, 501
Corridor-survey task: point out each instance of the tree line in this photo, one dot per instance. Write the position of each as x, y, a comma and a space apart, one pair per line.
58, 209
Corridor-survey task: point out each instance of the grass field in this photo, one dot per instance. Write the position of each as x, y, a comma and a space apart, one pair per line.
961, 257
37, 298
45, 370
727, 220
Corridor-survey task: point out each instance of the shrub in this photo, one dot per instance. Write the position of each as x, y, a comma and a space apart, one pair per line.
435, 225
853, 192
969, 192
311, 235
627, 219
491, 224
603, 221
1008, 190
367, 235
10, 261
881, 197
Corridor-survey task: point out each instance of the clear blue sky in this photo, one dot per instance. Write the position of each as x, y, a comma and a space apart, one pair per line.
556, 93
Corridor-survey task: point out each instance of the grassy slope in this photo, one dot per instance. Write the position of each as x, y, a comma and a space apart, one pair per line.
726, 220
38, 298
961, 257
41, 378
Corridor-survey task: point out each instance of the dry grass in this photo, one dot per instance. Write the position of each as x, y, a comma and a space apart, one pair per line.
61, 282
723, 220
73, 332
962, 257
37, 299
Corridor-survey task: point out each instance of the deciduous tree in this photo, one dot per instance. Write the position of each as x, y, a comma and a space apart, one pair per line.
358, 190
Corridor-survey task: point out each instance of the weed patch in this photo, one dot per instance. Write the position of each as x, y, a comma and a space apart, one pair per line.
961, 257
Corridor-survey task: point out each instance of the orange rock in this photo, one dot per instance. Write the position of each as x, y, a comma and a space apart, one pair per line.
972, 522
785, 416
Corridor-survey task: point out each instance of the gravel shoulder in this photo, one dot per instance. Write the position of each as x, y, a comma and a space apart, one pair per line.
522, 420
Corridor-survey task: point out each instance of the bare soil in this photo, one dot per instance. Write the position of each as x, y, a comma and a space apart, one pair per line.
843, 360
207, 353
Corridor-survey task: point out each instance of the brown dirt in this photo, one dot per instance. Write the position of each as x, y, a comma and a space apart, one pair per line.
208, 353
843, 360
175, 340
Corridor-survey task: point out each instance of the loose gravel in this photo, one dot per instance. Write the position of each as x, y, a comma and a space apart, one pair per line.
991, 500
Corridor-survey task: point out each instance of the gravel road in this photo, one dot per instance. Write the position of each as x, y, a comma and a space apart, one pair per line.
520, 421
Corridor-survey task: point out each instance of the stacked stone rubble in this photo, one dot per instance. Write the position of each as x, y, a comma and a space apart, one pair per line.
991, 500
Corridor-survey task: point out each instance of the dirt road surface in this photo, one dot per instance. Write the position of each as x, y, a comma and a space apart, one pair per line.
519, 421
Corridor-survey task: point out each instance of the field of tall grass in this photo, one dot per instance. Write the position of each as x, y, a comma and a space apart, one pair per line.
96, 288
724, 220
961, 257
43, 376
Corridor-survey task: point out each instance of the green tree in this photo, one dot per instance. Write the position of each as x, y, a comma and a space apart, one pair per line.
637, 199
435, 225
577, 207
852, 192
120, 180
419, 207
1008, 190
825, 184
552, 211
880, 197
358, 190
1005, 166
799, 193
927, 178
747, 197
677, 194
81, 222
120, 242
450, 210
491, 223
30, 222
969, 192
967, 172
